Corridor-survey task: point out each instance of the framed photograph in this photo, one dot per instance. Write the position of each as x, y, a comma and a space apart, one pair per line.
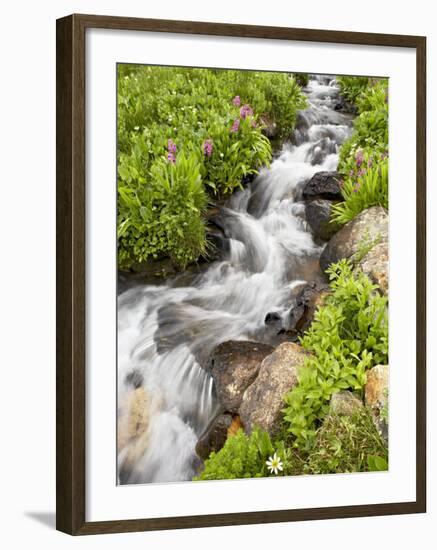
240, 274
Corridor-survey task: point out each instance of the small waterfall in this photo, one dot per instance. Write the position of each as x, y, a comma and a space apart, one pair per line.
166, 333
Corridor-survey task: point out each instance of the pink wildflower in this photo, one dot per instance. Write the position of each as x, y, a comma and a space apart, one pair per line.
171, 158
208, 147
245, 111
359, 157
236, 125
236, 101
171, 146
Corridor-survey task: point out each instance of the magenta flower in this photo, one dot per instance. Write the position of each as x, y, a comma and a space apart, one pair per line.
236, 101
171, 146
361, 172
208, 147
370, 162
359, 157
245, 111
171, 158
356, 187
236, 125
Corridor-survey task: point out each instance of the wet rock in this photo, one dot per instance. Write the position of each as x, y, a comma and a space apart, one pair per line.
218, 243
369, 226
376, 396
318, 216
343, 106
375, 265
215, 436
263, 400
135, 410
274, 320
234, 365
344, 403
323, 185
309, 297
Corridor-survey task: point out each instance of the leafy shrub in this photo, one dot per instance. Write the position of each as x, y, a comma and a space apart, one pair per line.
352, 86
211, 119
243, 456
349, 335
302, 79
362, 189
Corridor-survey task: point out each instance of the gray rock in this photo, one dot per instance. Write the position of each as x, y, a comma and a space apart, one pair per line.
375, 265
234, 365
215, 436
318, 216
263, 400
376, 396
369, 226
344, 403
324, 185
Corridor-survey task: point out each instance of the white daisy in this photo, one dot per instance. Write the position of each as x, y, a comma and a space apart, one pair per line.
274, 464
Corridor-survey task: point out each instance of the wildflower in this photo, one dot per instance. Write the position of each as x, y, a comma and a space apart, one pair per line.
235, 125
245, 111
370, 162
171, 146
359, 157
236, 101
171, 158
274, 464
351, 173
361, 172
356, 187
207, 147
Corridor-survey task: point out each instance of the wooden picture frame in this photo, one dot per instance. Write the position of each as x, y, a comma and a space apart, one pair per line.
71, 254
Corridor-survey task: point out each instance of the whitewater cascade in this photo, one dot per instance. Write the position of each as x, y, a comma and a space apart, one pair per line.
166, 332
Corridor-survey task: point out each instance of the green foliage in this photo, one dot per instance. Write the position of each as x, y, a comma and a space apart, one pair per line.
363, 157
242, 456
348, 336
192, 108
302, 79
352, 86
369, 187
347, 444
163, 217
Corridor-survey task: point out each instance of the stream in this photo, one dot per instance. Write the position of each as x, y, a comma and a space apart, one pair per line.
166, 332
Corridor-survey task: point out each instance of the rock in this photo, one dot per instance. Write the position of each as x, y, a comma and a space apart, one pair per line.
134, 413
344, 403
263, 400
376, 396
343, 106
323, 185
215, 436
318, 216
308, 299
375, 265
274, 320
234, 365
219, 243
370, 225
270, 128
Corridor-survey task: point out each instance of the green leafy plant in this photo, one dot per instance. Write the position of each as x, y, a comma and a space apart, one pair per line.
243, 456
368, 187
351, 87
207, 119
348, 336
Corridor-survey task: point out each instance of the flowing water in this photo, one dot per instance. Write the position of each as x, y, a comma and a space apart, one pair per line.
166, 332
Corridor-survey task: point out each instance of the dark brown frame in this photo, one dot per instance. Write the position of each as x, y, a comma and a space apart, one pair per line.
70, 275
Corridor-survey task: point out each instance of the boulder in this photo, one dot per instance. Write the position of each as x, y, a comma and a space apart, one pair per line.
369, 226
308, 299
263, 400
344, 403
323, 185
376, 396
375, 265
318, 216
234, 365
215, 436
